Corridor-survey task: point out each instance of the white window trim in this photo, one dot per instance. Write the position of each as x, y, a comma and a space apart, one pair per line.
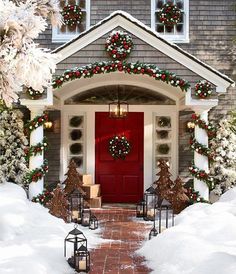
173, 38
61, 38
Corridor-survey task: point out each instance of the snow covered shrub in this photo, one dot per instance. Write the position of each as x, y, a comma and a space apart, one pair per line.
13, 165
224, 146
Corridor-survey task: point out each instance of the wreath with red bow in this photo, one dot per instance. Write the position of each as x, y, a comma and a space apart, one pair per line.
72, 15
119, 45
119, 147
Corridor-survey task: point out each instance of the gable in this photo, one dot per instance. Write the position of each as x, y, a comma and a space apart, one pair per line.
92, 42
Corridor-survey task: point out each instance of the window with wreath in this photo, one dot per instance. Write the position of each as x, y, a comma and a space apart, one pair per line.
76, 18
170, 18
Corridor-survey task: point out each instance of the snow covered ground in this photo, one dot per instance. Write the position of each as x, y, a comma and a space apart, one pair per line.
202, 242
31, 240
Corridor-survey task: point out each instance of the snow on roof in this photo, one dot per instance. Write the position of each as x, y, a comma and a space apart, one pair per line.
150, 31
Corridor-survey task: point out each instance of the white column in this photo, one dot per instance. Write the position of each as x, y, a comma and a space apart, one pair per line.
36, 136
201, 161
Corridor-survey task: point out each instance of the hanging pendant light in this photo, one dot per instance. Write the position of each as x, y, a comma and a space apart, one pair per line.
118, 109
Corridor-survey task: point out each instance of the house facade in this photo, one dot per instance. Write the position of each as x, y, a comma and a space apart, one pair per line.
157, 80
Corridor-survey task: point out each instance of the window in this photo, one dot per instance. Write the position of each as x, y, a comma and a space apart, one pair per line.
180, 31
65, 33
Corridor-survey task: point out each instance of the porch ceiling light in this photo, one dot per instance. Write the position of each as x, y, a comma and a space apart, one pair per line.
118, 109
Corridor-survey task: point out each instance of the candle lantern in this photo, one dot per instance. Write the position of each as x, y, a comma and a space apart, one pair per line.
153, 232
150, 200
86, 214
93, 222
140, 209
165, 211
76, 202
82, 259
77, 239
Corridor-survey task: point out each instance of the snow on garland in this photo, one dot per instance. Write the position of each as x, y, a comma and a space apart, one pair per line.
89, 71
201, 149
72, 15
36, 149
194, 196
43, 198
35, 123
119, 147
202, 175
119, 45
170, 14
203, 89
37, 173
34, 94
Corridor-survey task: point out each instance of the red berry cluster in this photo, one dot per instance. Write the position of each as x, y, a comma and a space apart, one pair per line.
211, 130
37, 173
203, 89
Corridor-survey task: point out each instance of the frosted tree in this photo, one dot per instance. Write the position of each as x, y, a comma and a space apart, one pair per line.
13, 142
224, 146
22, 62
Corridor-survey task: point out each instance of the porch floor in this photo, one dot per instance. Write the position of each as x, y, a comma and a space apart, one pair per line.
118, 256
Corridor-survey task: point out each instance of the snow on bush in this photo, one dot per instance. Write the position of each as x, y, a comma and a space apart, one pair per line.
202, 242
32, 240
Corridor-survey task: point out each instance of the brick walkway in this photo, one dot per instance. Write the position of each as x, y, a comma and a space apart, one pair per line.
117, 256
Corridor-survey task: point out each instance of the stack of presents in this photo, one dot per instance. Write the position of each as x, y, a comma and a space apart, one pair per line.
92, 192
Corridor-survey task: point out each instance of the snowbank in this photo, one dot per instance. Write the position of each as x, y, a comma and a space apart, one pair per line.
202, 242
31, 240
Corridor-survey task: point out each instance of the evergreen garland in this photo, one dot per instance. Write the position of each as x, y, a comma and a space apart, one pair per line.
89, 71
202, 175
35, 123
43, 198
201, 149
37, 173
37, 149
210, 129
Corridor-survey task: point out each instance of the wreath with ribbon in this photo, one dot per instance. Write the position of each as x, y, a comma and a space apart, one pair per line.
72, 15
170, 14
119, 45
203, 89
119, 147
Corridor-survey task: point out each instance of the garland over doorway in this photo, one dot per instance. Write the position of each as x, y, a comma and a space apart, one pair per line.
151, 70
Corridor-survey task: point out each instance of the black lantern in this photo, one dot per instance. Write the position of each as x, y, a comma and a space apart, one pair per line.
140, 209
93, 222
77, 238
82, 259
153, 232
165, 210
86, 214
150, 199
76, 202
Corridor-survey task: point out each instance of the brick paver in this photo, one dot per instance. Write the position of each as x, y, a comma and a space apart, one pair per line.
118, 255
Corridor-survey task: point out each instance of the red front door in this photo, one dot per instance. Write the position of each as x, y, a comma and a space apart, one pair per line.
121, 180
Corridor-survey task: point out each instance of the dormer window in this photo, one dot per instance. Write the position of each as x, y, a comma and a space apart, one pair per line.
178, 32
67, 32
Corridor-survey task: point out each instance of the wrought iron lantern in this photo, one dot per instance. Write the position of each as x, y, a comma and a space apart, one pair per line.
82, 259
140, 209
153, 232
93, 222
118, 109
165, 210
76, 202
77, 239
150, 199
86, 214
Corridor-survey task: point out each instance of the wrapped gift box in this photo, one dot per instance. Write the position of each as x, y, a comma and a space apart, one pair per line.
92, 191
95, 202
87, 179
